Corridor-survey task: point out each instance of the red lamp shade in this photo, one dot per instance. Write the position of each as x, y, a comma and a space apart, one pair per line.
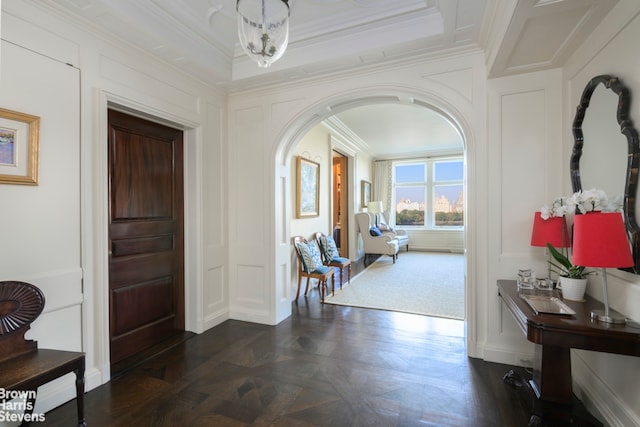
553, 230
600, 240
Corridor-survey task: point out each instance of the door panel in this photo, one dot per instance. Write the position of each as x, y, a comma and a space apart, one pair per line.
146, 279
340, 204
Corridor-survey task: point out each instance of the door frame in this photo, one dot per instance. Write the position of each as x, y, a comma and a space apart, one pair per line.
95, 205
343, 148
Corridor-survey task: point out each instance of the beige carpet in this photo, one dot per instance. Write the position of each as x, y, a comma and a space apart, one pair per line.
425, 283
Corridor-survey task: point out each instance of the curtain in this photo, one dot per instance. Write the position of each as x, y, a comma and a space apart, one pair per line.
383, 185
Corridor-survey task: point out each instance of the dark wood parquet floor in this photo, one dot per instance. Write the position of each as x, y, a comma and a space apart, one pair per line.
324, 366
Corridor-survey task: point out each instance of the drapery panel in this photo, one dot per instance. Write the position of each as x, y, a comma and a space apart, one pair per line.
383, 186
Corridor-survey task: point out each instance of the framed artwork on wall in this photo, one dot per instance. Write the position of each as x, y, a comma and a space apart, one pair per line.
308, 188
19, 148
365, 193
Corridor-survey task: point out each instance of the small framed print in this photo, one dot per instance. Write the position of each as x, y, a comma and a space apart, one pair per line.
19, 148
308, 186
365, 193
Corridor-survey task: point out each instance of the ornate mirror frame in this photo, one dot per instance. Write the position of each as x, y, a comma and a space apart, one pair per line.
627, 129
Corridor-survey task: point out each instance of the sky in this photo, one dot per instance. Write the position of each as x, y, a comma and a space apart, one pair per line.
415, 173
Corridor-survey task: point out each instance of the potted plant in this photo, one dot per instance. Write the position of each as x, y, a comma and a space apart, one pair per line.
572, 278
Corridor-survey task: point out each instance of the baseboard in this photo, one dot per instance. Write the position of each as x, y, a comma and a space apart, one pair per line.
62, 390
507, 356
598, 398
214, 320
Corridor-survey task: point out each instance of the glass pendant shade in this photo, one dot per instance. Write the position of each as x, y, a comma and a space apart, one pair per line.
263, 29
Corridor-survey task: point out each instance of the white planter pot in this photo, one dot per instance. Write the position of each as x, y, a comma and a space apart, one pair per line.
573, 289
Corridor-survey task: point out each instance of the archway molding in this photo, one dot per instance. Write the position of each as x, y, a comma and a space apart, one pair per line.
460, 116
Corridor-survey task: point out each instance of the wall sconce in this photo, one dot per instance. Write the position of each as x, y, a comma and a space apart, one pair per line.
263, 29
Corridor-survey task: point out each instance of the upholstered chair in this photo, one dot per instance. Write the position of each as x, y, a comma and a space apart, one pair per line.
311, 266
373, 240
331, 256
401, 235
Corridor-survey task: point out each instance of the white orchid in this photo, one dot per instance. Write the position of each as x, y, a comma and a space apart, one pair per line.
582, 202
560, 207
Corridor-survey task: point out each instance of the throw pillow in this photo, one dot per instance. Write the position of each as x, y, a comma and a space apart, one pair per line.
308, 260
315, 255
375, 231
330, 249
311, 259
386, 227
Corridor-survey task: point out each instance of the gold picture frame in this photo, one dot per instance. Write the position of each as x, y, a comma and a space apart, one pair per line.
19, 148
365, 193
308, 188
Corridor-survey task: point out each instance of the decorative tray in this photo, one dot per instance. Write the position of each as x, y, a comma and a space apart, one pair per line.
547, 305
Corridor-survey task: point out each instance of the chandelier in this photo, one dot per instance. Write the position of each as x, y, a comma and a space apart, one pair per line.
263, 29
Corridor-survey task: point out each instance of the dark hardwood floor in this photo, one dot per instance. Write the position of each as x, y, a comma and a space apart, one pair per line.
324, 366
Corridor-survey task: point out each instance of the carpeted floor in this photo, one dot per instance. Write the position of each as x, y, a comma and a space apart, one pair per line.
425, 283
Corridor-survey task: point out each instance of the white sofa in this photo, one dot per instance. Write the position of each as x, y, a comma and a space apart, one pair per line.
384, 244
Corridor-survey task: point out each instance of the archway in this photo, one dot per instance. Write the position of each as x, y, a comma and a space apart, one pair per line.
306, 120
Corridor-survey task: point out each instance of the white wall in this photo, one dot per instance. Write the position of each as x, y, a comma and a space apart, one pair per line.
56, 233
40, 225
314, 146
525, 157
607, 382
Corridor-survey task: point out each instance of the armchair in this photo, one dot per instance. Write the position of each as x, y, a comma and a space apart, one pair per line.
375, 244
401, 235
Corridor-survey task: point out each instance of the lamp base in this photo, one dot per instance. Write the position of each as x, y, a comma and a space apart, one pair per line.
612, 317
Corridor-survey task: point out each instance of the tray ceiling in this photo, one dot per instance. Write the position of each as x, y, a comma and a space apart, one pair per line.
200, 38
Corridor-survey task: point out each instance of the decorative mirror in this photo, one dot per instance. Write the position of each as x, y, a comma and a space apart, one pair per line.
610, 161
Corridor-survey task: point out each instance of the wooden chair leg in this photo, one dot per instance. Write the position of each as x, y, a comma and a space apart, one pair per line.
306, 289
349, 273
333, 283
341, 278
298, 291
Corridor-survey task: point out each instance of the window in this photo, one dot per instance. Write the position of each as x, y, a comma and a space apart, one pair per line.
429, 193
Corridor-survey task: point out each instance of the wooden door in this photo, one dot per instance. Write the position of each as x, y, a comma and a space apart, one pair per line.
340, 204
146, 266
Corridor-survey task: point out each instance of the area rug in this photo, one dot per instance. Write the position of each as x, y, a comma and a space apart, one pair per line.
426, 283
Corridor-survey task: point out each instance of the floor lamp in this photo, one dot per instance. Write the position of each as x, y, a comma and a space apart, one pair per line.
600, 240
551, 230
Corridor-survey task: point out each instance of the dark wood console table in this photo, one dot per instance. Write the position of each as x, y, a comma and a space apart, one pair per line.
555, 336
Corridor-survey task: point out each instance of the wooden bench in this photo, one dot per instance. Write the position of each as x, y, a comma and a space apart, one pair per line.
24, 367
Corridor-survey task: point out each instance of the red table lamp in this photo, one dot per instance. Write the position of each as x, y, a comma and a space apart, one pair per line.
552, 230
600, 240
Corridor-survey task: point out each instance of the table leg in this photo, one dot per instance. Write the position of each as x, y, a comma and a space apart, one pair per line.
552, 373
553, 402
80, 393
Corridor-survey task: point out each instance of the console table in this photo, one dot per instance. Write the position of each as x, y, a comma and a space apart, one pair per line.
555, 336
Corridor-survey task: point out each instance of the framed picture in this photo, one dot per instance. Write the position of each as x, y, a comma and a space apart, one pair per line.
365, 193
308, 186
19, 148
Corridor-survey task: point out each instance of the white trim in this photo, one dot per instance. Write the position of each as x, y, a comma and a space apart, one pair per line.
99, 206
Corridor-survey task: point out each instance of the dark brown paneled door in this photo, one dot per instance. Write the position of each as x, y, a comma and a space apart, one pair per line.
146, 266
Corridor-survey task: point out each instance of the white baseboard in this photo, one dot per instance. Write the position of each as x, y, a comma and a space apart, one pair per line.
598, 398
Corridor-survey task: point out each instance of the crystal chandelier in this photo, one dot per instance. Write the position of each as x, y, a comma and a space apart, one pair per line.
263, 29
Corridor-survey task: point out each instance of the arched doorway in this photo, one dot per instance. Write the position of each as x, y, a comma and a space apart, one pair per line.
308, 119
